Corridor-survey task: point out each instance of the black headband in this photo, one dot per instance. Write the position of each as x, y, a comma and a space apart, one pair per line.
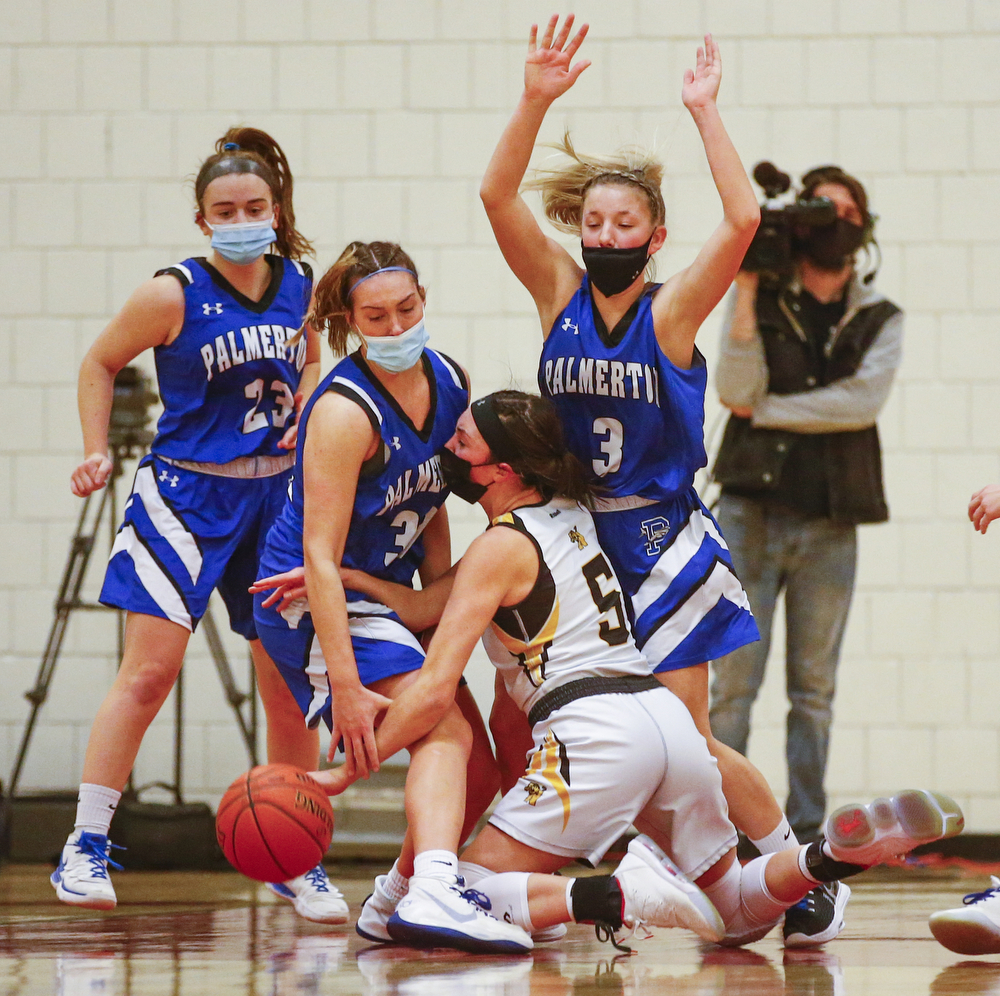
492, 430
236, 164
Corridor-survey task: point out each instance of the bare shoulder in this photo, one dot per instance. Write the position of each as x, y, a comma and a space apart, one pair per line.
337, 413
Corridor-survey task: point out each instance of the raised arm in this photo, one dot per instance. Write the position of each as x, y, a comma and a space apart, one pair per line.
152, 316
684, 301
540, 263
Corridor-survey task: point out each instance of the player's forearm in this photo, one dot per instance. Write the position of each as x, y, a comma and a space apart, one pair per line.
739, 204
328, 608
95, 394
510, 161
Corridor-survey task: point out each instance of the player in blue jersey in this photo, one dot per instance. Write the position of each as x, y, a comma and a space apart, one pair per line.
368, 493
229, 366
621, 365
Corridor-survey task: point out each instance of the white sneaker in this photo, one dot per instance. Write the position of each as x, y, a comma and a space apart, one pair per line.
890, 828
434, 913
314, 897
81, 878
378, 907
972, 929
656, 893
375, 913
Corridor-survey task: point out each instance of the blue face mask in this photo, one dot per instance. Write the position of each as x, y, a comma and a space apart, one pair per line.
397, 353
243, 242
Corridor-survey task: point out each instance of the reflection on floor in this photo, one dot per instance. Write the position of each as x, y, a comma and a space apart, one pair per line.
181, 934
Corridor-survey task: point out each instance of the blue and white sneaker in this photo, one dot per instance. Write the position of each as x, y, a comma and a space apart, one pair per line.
81, 878
972, 929
314, 896
435, 913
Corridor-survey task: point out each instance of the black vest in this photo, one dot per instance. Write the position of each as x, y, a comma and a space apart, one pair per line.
752, 461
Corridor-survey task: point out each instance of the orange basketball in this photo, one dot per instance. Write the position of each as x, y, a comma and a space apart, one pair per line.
274, 823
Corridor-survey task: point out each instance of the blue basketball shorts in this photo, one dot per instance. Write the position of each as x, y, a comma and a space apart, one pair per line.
185, 534
382, 645
686, 604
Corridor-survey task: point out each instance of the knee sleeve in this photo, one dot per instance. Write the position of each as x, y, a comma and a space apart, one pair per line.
508, 896
748, 910
473, 873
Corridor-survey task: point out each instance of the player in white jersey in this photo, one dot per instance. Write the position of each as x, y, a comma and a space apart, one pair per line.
612, 746
221, 328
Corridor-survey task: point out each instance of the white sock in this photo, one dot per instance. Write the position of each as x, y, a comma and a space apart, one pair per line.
436, 864
95, 807
394, 885
508, 895
781, 838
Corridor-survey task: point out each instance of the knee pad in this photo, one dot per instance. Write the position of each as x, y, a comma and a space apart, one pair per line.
508, 896
748, 910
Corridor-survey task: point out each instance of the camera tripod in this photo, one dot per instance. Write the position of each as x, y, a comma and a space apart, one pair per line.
98, 508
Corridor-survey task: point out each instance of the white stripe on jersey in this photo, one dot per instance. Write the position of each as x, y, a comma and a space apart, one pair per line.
151, 575
318, 679
166, 523
386, 630
298, 266
368, 608
686, 545
360, 391
720, 583
187, 273
450, 367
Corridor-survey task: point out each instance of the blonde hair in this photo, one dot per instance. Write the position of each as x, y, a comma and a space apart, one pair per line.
332, 301
564, 188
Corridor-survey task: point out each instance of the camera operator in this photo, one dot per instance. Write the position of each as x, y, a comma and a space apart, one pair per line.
806, 365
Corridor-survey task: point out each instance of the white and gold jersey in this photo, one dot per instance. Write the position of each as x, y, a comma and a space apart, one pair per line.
572, 625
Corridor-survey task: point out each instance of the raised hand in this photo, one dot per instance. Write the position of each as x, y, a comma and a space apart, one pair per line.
549, 70
984, 507
701, 84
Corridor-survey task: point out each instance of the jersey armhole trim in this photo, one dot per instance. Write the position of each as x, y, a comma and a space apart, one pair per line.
375, 464
457, 373
179, 271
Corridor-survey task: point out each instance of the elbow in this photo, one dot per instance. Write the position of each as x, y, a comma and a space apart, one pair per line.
489, 195
746, 219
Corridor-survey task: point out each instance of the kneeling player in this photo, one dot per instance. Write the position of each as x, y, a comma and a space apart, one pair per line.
612, 746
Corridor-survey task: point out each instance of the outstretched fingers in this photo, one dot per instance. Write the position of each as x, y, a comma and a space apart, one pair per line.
564, 32
577, 41
550, 30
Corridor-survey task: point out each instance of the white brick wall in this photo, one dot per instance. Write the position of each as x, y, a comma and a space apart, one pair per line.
388, 110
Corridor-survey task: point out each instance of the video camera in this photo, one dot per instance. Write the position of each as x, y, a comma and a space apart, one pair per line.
773, 250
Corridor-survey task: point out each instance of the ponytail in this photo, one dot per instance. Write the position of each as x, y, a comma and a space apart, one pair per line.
250, 150
534, 431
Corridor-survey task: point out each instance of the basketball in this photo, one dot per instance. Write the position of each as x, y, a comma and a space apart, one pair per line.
274, 823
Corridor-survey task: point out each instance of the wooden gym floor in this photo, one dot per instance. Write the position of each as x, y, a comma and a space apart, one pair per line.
187, 933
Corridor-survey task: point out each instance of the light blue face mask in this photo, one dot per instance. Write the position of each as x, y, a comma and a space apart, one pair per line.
397, 353
243, 242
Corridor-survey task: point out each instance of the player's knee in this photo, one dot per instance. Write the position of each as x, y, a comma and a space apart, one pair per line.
747, 908
455, 728
150, 682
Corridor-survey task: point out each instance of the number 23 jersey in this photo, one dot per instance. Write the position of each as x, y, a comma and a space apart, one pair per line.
572, 624
228, 380
633, 418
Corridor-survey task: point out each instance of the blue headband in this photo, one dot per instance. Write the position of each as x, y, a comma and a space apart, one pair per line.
384, 269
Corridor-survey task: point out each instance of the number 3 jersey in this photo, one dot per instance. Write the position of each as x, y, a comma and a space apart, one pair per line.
399, 489
633, 418
228, 380
572, 624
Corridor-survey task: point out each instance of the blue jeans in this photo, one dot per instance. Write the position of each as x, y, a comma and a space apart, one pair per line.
813, 561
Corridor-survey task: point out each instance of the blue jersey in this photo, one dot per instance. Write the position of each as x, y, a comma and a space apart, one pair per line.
228, 380
400, 488
633, 418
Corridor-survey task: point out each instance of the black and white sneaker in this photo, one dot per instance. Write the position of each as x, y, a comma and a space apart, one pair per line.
818, 917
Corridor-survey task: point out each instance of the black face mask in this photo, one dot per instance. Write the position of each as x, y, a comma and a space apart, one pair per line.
455, 471
831, 246
612, 271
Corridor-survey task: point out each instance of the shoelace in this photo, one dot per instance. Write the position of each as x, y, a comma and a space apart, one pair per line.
977, 897
606, 933
316, 877
98, 854
477, 899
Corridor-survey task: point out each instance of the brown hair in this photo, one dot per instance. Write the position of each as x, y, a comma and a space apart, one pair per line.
834, 174
254, 151
333, 292
564, 188
543, 462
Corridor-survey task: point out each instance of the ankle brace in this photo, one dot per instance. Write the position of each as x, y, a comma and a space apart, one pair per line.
818, 866
597, 899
